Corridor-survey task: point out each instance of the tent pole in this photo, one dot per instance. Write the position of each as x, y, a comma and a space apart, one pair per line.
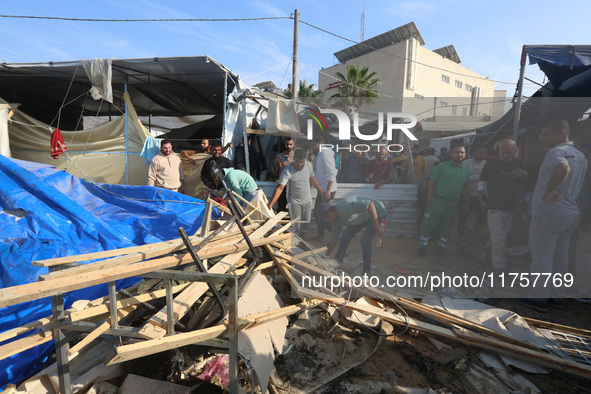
126, 138
519, 94
224, 109
294, 76
245, 137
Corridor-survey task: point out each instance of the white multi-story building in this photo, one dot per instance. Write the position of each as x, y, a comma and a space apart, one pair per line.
427, 83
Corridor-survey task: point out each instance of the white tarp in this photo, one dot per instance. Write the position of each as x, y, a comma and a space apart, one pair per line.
4, 142
99, 73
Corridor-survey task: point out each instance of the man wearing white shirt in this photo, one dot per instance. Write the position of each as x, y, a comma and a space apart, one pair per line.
326, 175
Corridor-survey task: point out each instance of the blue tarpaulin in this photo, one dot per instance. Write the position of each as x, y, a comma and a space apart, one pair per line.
46, 213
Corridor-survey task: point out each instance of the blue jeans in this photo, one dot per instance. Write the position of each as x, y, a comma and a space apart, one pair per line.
249, 196
366, 241
549, 239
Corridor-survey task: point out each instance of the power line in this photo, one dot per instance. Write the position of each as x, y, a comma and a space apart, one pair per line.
402, 57
144, 20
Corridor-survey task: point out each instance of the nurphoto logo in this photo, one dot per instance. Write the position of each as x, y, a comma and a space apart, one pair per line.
394, 121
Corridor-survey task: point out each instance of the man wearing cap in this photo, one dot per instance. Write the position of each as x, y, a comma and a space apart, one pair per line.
349, 217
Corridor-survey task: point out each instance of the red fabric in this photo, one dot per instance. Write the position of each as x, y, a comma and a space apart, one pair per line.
58, 146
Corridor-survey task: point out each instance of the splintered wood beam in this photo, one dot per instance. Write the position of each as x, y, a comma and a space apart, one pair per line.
206, 218
20, 345
145, 348
155, 327
167, 247
416, 306
32, 291
224, 240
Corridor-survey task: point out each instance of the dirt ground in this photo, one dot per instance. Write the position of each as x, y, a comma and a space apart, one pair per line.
399, 256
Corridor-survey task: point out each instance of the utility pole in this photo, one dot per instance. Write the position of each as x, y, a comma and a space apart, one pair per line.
294, 76
362, 35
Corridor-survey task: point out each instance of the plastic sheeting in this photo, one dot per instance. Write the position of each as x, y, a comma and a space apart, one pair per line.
48, 213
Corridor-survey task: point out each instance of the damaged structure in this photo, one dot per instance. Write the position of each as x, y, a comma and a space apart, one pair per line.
107, 286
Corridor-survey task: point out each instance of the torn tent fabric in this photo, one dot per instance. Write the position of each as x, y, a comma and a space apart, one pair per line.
46, 213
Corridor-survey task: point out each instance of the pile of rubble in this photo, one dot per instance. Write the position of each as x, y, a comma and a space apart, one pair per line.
225, 308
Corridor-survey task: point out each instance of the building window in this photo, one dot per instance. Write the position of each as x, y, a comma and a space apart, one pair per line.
459, 84
464, 111
444, 78
454, 110
419, 96
468, 88
443, 103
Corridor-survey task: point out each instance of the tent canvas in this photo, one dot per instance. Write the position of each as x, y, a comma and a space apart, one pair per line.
172, 87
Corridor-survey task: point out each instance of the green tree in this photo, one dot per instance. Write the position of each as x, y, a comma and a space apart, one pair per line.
306, 91
359, 86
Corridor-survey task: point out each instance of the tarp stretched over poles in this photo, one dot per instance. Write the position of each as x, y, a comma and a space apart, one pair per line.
46, 213
567, 95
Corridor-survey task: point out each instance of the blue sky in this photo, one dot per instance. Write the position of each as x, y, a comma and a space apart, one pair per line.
487, 35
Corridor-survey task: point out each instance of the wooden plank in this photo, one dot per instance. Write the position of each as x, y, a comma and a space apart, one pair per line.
536, 357
558, 327
310, 253
417, 307
20, 345
141, 349
122, 251
100, 330
109, 253
206, 218
155, 327
223, 240
100, 310
32, 291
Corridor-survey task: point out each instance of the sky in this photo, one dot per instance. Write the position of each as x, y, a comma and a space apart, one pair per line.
487, 35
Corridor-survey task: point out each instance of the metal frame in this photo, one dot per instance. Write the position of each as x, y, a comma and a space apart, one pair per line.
231, 281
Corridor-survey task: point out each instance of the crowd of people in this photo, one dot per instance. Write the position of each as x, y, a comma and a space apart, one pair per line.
451, 188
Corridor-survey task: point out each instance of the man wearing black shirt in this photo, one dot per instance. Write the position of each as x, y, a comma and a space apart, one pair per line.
501, 177
207, 175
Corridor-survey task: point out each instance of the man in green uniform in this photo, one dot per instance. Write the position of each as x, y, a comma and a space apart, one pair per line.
448, 184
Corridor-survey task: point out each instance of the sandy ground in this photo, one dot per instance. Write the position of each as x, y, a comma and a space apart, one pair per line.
399, 255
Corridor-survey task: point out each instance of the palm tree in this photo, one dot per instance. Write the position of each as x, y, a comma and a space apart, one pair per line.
358, 86
307, 91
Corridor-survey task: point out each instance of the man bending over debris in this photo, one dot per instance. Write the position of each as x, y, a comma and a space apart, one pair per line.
354, 214
240, 182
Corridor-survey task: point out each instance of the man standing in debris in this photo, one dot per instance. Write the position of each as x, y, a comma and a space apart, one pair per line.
349, 217
448, 184
166, 169
380, 171
298, 176
207, 174
326, 174
282, 160
475, 165
555, 214
501, 180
